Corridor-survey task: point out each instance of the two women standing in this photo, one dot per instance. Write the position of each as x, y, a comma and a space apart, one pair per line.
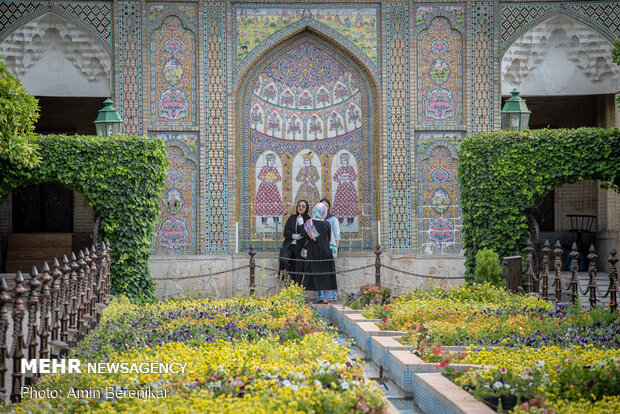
315, 268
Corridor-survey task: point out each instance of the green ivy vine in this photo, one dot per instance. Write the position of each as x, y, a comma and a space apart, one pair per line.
503, 174
122, 178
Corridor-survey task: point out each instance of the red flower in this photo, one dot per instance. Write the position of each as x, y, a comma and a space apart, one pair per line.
444, 363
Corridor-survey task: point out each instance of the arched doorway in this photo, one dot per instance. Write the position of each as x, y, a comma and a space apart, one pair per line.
68, 70
563, 68
305, 130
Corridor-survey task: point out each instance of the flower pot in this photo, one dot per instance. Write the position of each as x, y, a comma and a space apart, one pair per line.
491, 400
509, 402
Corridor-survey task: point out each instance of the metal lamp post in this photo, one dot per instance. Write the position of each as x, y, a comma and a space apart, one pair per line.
108, 121
515, 113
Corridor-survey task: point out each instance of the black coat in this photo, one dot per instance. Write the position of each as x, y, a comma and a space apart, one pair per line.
319, 260
291, 227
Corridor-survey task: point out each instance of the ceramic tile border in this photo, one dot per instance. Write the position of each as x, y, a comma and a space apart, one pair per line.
436, 392
366, 331
404, 368
380, 350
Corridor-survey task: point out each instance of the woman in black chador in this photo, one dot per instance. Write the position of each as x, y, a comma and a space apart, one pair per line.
319, 271
293, 239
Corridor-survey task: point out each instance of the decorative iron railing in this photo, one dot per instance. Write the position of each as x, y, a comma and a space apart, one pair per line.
60, 305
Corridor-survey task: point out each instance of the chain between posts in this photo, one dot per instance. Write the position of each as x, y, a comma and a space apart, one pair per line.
378, 265
210, 274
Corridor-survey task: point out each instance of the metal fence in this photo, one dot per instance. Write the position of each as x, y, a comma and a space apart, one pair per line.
61, 304
542, 280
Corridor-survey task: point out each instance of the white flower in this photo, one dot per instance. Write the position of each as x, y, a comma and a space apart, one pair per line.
497, 385
540, 363
318, 383
344, 385
287, 383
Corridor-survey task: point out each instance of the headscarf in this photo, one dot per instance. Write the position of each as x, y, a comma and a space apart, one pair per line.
319, 212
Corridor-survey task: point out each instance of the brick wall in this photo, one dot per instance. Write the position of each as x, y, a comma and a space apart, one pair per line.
5, 216
82, 214
576, 198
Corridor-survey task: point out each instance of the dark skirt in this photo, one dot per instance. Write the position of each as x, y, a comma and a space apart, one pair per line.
319, 270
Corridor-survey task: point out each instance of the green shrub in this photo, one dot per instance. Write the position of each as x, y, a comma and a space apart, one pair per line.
488, 269
18, 113
503, 174
122, 178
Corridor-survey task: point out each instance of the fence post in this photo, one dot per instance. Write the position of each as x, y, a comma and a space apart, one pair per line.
557, 265
592, 272
613, 280
81, 297
378, 265
66, 300
74, 289
512, 272
44, 333
18, 335
529, 262
5, 298
252, 253
88, 316
574, 268
56, 299
545, 270
94, 275
33, 327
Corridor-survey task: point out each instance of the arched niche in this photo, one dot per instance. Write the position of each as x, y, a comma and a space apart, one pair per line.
314, 85
560, 56
440, 212
176, 225
54, 57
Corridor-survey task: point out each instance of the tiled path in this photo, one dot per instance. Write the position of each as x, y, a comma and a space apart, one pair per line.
403, 405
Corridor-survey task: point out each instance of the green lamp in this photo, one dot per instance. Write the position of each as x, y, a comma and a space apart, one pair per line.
515, 113
108, 121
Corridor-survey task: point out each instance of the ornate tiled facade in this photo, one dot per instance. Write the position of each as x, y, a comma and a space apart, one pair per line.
305, 112
176, 225
172, 65
129, 66
265, 103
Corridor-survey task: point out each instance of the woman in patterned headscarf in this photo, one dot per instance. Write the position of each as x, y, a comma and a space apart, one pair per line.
319, 271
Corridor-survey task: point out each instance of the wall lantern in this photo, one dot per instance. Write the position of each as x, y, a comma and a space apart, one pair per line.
515, 113
108, 121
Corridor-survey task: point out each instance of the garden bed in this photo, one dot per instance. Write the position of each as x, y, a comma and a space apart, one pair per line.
242, 355
547, 358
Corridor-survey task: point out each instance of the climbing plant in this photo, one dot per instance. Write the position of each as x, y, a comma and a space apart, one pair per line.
18, 113
503, 174
122, 178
